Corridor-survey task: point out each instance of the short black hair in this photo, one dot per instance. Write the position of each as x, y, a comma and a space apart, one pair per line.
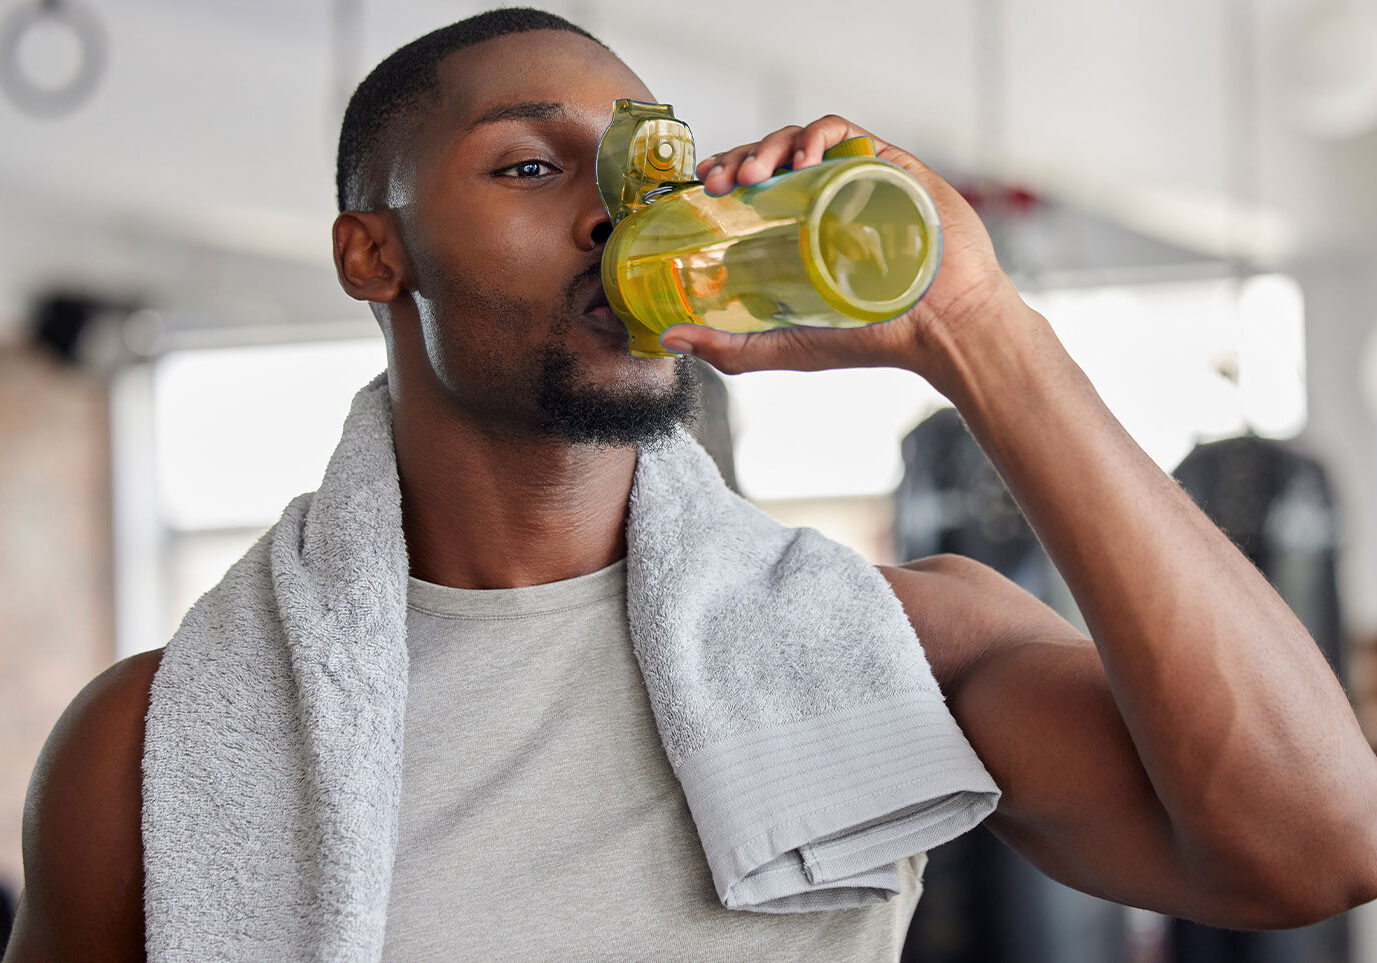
394, 89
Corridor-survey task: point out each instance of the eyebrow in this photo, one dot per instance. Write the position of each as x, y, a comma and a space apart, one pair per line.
528, 110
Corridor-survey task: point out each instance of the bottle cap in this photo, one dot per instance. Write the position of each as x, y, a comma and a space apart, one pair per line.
644, 153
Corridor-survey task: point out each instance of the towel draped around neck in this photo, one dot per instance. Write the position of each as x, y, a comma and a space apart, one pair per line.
792, 698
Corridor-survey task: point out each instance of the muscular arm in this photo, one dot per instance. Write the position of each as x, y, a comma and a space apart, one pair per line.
1031, 696
1199, 757
83, 852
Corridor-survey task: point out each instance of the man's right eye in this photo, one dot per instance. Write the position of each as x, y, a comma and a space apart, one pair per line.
527, 169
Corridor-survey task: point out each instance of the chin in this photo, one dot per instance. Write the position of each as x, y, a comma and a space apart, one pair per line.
618, 415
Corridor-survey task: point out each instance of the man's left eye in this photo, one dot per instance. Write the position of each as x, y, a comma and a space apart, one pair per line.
528, 169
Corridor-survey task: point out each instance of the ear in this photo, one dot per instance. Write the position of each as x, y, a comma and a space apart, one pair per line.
368, 257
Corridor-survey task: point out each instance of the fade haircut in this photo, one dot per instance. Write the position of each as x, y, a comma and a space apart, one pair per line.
392, 93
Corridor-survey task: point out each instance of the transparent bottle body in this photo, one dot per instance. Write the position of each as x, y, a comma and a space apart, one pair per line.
841, 244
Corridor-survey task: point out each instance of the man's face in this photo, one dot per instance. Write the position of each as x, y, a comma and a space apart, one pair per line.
504, 228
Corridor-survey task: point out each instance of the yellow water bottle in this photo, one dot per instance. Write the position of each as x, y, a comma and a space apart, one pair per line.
850, 241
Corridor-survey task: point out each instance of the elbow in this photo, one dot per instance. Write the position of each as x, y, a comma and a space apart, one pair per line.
1312, 887
1284, 908
1306, 909
1355, 860
1314, 908
1364, 887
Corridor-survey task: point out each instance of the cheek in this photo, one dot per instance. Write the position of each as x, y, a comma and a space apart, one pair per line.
530, 251
515, 244
476, 334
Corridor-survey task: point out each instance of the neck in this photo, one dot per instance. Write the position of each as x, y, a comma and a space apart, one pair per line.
488, 512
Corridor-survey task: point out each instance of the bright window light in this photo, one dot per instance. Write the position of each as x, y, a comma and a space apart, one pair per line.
1271, 356
1177, 363
1188, 362
239, 432
819, 434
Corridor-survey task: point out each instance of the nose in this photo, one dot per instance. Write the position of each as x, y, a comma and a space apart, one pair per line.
593, 226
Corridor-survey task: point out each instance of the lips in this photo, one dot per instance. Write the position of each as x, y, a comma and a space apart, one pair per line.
596, 299
598, 314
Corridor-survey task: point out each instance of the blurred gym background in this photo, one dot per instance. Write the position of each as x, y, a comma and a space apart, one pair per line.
1186, 188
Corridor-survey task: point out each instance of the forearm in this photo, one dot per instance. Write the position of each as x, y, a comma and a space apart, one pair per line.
1245, 734
1234, 719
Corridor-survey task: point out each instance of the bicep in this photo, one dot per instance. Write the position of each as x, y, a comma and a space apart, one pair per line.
83, 852
963, 611
1031, 695
1076, 800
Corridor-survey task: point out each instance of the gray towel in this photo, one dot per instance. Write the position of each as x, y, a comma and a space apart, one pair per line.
793, 700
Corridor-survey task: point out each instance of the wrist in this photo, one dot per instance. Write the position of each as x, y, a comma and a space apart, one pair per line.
984, 352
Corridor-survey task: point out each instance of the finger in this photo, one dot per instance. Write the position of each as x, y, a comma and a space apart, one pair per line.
773, 152
721, 178
749, 163
824, 133
832, 129
752, 163
790, 349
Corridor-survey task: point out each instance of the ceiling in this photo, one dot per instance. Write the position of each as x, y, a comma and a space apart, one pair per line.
200, 172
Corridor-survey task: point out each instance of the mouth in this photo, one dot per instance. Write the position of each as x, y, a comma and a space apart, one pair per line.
598, 314
597, 298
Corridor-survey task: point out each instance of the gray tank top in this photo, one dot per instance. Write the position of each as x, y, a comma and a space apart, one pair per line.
539, 816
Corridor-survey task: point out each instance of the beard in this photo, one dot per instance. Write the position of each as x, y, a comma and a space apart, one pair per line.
512, 392
582, 413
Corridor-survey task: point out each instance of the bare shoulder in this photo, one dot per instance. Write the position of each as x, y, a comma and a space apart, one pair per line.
961, 609
83, 849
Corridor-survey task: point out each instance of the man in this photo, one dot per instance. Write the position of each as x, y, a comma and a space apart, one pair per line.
1197, 758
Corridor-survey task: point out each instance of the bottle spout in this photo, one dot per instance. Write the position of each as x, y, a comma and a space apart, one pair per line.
644, 153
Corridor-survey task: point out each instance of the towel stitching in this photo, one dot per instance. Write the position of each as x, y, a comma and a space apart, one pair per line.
764, 825
734, 851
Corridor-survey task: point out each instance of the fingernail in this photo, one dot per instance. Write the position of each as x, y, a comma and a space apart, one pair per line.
673, 344
798, 158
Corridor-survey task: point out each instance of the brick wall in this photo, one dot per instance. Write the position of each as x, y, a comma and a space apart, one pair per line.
56, 598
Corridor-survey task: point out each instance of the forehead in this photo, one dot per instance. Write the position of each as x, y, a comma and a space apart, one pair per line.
539, 66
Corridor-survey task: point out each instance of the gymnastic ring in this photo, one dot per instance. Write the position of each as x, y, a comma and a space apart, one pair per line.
34, 98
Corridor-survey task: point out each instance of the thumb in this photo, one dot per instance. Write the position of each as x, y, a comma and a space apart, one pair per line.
727, 352
790, 348
681, 338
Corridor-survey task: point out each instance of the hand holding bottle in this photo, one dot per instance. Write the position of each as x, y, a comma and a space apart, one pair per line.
970, 288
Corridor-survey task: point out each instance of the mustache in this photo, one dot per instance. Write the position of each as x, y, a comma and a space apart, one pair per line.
579, 284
